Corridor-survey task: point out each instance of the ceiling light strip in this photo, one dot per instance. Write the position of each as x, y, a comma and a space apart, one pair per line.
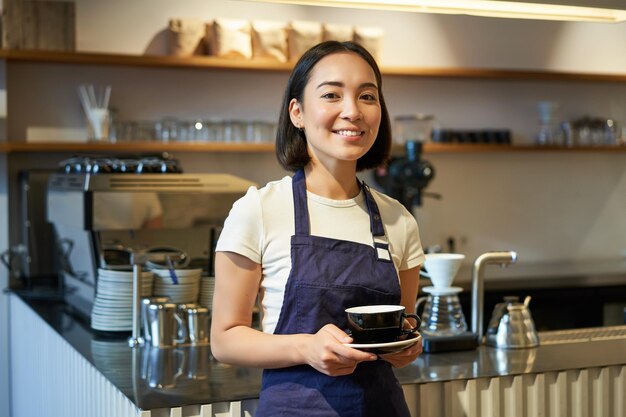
476, 8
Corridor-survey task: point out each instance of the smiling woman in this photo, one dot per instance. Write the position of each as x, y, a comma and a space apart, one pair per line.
340, 111
350, 82
317, 243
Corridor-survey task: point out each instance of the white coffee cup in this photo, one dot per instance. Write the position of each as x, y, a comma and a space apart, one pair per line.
441, 268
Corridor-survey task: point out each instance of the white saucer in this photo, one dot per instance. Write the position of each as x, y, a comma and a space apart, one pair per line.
442, 291
389, 347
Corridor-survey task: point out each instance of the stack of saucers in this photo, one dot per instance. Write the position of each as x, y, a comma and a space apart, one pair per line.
207, 286
112, 307
184, 290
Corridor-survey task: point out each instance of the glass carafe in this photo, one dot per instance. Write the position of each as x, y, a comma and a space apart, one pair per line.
442, 315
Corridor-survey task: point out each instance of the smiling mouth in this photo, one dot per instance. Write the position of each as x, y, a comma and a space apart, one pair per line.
349, 133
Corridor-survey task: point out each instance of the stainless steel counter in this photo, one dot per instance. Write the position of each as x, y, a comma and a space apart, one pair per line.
490, 362
153, 378
156, 379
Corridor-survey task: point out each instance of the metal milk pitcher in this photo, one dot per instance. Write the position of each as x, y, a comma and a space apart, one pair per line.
199, 325
164, 324
145, 324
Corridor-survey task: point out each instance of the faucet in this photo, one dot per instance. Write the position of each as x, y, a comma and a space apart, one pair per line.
478, 289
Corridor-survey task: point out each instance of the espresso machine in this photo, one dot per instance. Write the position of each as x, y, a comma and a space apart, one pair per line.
102, 215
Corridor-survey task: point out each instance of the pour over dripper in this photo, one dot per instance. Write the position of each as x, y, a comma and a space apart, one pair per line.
441, 268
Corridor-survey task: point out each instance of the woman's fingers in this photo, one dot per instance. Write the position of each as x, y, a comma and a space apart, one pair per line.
346, 354
337, 333
329, 355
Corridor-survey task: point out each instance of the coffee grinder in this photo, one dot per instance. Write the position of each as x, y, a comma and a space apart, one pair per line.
405, 177
443, 325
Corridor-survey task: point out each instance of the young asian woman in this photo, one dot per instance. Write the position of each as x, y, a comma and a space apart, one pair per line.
310, 245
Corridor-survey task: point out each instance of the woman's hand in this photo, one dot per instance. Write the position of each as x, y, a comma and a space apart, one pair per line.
325, 351
404, 357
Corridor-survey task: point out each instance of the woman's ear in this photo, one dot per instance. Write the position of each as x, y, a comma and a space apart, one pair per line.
295, 113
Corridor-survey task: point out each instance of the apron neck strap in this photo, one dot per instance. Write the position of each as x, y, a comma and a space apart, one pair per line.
376, 223
301, 210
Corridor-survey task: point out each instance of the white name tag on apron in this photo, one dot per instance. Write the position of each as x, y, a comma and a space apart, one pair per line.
382, 248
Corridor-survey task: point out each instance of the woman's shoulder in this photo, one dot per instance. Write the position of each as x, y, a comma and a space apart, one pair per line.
279, 185
274, 193
274, 190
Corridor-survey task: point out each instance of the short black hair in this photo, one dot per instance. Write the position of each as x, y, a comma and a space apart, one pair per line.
291, 149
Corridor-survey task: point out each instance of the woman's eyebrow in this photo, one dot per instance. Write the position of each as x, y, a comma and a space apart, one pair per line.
340, 84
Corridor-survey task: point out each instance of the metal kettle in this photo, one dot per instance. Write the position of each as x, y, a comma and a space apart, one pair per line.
511, 325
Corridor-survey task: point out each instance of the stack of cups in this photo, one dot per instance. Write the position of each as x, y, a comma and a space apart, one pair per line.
184, 288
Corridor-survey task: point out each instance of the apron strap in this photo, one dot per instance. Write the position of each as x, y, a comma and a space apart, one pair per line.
376, 223
381, 244
300, 207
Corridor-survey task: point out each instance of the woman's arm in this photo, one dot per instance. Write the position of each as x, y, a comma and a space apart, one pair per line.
409, 284
234, 341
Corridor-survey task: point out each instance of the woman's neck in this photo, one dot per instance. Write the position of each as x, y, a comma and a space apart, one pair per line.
337, 183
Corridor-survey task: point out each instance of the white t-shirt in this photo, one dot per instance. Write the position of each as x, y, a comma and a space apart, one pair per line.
261, 223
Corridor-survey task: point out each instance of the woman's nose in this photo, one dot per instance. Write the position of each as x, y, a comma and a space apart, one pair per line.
351, 110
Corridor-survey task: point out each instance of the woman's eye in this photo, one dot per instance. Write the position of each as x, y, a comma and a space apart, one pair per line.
330, 96
368, 97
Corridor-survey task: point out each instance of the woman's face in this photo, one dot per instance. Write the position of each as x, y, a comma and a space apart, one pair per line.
341, 111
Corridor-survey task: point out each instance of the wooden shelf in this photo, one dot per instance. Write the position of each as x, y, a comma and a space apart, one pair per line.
154, 147
487, 148
204, 62
504, 74
133, 147
87, 58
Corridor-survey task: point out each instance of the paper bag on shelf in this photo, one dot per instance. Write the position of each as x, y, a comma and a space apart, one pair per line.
185, 37
303, 35
371, 38
335, 32
230, 38
269, 40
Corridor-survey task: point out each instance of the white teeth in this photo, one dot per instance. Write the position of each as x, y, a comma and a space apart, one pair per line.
348, 133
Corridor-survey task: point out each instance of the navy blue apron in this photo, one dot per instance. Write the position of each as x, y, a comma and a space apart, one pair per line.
327, 276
